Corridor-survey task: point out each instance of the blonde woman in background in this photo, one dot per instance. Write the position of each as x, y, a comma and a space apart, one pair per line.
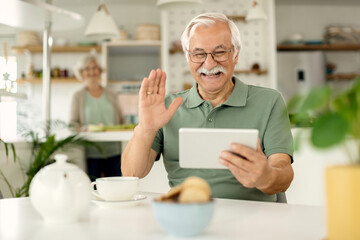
94, 104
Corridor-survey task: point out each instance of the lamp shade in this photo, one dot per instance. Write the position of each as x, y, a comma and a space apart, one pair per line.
255, 13
102, 25
176, 4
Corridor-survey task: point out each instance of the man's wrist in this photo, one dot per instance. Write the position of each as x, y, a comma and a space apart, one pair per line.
146, 132
267, 184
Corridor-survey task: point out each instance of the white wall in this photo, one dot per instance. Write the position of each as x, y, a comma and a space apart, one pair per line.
156, 181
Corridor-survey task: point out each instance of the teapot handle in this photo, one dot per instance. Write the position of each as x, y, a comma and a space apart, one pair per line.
94, 192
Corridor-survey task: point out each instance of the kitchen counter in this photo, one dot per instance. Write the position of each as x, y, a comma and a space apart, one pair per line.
118, 136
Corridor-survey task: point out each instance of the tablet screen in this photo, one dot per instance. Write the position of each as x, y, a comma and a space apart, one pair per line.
201, 147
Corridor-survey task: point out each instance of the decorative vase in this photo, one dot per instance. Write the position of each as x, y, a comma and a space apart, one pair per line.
343, 202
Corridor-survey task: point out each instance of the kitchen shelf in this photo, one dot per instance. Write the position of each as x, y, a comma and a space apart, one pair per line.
174, 50
251, 71
53, 80
323, 47
58, 49
236, 18
342, 76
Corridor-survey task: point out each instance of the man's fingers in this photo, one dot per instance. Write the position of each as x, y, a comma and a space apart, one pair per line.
235, 160
162, 88
157, 81
241, 174
154, 83
242, 150
151, 82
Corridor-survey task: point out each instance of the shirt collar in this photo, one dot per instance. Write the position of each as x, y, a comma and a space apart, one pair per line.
236, 99
194, 99
239, 94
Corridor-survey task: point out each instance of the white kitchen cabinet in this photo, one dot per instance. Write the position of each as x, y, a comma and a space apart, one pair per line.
326, 48
130, 61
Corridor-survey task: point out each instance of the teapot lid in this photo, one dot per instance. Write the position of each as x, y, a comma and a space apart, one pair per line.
61, 164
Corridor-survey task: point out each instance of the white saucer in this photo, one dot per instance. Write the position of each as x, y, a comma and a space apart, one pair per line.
124, 203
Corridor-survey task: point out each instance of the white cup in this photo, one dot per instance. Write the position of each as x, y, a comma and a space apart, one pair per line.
115, 188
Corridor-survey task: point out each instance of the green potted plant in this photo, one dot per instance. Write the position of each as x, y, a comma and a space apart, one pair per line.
43, 148
334, 120
8, 147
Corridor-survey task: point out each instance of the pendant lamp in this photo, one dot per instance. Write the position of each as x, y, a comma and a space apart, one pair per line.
176, 4
102, 25
255, 13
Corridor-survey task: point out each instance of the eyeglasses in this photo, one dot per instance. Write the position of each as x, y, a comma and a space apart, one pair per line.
218, 56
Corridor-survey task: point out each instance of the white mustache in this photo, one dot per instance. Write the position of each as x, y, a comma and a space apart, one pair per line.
211, 71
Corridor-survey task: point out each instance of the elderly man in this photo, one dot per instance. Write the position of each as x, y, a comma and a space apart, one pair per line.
218, 100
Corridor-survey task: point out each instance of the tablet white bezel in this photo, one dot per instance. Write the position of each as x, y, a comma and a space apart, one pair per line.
201, 147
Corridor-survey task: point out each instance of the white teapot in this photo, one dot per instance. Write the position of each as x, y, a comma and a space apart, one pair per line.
60, 191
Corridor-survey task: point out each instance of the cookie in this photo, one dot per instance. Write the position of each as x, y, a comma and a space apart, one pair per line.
193, 195
198, 183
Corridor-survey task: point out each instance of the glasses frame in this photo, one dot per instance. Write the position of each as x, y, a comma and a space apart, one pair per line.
211, 53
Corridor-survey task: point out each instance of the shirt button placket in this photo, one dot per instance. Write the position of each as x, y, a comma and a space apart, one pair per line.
211, 119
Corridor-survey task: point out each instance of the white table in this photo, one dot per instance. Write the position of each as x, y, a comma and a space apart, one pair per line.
233, 219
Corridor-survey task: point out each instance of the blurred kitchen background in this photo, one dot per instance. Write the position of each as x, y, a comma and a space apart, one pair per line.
300, 44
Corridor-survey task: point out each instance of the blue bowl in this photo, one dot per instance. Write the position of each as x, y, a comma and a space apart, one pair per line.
183, 219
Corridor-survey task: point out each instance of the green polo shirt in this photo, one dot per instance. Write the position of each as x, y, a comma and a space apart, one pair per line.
247, 107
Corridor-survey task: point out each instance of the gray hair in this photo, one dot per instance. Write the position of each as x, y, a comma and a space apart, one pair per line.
208, 19
83, 63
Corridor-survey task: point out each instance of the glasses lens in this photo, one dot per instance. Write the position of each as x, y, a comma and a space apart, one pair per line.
220, 56
198, 57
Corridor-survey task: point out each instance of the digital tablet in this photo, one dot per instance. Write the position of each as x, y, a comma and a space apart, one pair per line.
201, 147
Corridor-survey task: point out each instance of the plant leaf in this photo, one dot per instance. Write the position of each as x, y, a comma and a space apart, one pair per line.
294, 103
329, 130
4, 178
316, 99
13, 150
